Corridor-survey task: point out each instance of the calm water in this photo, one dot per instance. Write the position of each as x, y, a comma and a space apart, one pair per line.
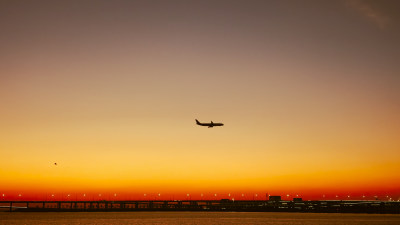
193, 218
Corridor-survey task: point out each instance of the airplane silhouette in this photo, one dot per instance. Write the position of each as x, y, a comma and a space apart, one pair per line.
209, 125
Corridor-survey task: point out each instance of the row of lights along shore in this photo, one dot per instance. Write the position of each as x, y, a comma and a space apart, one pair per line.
215, 196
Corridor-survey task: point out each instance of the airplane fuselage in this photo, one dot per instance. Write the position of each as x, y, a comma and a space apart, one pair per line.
209, 125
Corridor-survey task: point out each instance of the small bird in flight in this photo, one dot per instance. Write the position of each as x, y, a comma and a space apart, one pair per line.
55, 164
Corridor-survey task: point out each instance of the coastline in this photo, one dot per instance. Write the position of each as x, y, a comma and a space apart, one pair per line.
223, 205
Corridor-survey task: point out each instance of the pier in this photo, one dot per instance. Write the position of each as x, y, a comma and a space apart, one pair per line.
326, 206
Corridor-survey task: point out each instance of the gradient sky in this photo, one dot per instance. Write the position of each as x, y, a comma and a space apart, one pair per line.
109, 90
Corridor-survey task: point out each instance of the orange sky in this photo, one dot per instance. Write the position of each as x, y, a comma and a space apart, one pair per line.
308, 92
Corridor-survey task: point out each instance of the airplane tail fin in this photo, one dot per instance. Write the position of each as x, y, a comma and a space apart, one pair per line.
197, 122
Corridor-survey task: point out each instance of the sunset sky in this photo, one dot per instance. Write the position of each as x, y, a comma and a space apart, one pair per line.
309, 92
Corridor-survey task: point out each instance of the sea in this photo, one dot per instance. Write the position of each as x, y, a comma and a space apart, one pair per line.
169, 218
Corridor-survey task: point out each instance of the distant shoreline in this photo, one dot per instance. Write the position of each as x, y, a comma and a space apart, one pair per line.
223, 205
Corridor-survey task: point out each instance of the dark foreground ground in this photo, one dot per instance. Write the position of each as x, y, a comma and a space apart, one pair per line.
198, 218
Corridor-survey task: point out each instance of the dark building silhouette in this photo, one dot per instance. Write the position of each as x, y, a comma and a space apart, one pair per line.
275, 198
